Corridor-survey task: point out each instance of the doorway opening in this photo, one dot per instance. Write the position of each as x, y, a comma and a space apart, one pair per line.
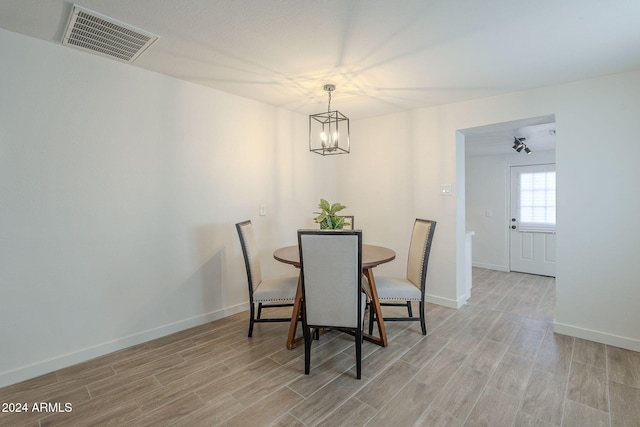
492, 197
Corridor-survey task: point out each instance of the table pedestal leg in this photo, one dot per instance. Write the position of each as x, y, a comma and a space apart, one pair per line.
375, 308
381, 339
295, 315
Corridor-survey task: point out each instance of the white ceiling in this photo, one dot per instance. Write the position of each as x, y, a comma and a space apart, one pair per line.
539, 134
384, 56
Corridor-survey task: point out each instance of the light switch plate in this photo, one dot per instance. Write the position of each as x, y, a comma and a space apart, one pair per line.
445, 189
263, 210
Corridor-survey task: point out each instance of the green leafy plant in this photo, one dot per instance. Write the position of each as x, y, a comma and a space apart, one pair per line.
327, 217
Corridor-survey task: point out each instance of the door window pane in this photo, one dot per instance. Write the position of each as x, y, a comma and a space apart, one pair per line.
537, 201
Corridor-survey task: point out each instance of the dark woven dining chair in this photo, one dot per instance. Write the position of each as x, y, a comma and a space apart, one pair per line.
266, 293
400, 291
332, 280
348, 219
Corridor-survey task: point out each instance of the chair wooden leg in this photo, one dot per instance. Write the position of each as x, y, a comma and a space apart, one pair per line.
259, 310
371, 318
358, 354
306, 334
409, 309
251, 312
422, 319
307, 349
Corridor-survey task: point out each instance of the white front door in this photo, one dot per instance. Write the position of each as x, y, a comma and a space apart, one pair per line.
533, 219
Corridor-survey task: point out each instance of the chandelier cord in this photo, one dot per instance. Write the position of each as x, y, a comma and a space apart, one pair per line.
329, 106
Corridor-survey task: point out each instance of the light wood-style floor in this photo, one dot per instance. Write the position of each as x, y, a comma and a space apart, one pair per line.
494, 362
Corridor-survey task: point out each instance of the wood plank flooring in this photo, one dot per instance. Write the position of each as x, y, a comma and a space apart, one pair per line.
494, 362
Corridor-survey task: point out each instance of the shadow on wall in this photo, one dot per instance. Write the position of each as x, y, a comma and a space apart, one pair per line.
196, 292
211, 243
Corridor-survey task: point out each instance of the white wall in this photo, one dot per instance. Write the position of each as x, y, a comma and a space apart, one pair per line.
119, 191
488, 189
597, 151
393, 176
120, 188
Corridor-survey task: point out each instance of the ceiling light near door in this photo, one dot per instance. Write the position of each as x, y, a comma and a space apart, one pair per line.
329, 131
518, 145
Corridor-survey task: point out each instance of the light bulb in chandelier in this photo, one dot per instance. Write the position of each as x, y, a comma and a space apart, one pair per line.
323, 139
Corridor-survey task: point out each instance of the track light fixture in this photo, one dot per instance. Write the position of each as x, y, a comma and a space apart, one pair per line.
518, 145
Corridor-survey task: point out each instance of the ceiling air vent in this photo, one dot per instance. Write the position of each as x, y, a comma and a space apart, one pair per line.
91, 31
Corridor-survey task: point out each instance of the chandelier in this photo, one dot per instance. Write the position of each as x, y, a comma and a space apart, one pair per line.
329, 131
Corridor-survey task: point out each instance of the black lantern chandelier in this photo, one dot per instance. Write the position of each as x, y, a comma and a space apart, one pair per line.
329, 131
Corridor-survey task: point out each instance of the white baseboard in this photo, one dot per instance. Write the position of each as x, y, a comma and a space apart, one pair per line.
597, 336
491, 266
46, 366
446, 302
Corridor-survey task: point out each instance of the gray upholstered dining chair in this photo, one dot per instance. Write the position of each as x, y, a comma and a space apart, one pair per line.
266, 293
332, 281
391, 290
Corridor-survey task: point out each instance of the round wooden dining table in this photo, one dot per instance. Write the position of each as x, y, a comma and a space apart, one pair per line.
372, 256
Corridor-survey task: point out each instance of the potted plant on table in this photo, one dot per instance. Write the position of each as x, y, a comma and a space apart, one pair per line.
327, 217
